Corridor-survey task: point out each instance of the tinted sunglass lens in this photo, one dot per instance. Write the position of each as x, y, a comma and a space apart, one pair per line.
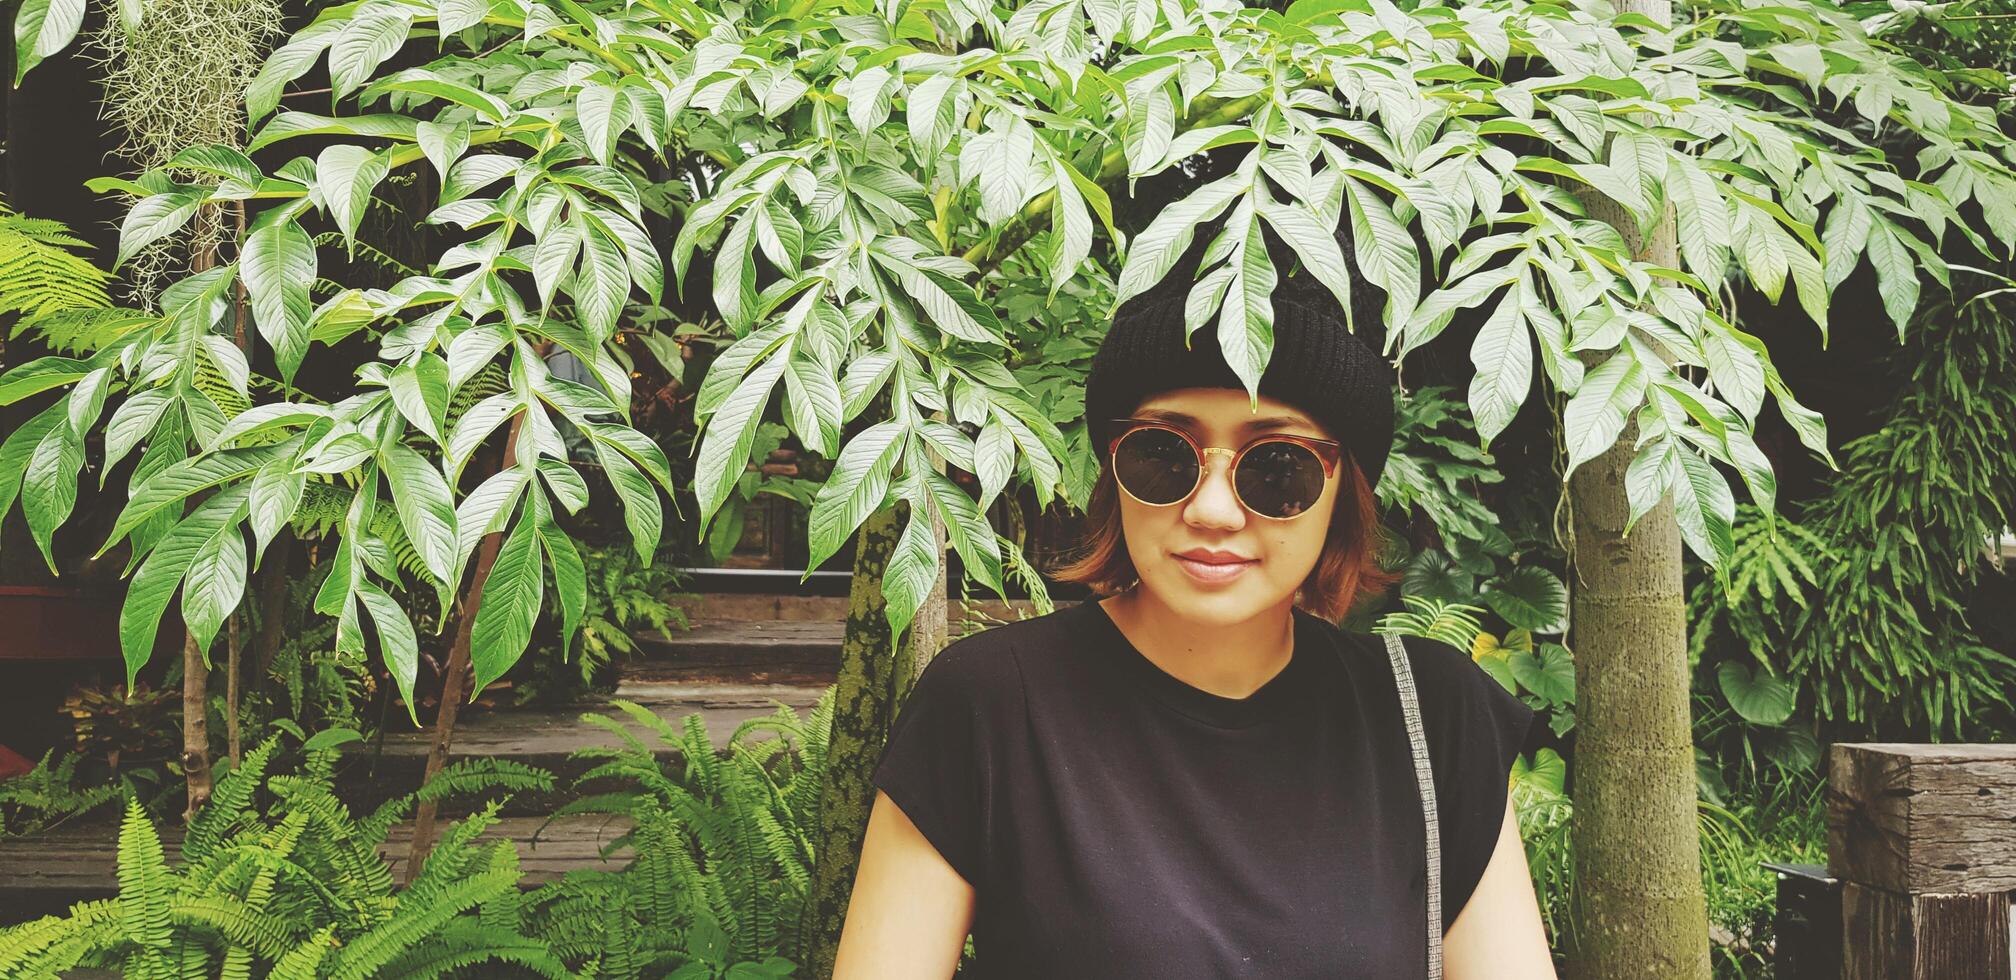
1155, 465
1280, 479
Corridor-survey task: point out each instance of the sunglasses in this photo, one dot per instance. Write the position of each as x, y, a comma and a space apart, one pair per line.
1277, 476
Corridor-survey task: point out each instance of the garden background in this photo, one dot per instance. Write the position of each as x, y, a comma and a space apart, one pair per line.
826, 277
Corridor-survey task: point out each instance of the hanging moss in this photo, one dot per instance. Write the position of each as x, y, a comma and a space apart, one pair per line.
173, 80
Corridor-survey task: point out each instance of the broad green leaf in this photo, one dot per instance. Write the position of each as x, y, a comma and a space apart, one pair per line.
858, 486
913, 567
1761, 698
277, 265
189, 476
43, 28
507, 604
49, 487
1503, 356
730, 435
345, 175
426, 510
40, 375
420, 392
1530, 598
370, 37
1597, 412
154, 218
214, 584
148, 593
642, 513
570, 576
1548, 672
19, 446
396, 641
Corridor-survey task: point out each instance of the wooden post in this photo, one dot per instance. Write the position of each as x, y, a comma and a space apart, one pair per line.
1923, 838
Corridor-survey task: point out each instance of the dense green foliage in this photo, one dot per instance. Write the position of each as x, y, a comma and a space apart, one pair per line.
295, 887
879, 165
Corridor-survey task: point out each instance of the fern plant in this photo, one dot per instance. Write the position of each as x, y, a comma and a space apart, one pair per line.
723, 845
48, 795
297, 889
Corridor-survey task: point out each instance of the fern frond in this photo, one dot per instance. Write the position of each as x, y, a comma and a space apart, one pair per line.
369, 954
146, 886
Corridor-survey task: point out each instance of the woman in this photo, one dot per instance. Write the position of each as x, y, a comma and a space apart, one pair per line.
1198, 775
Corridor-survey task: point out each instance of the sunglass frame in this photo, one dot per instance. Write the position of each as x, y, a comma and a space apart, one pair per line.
1329, 453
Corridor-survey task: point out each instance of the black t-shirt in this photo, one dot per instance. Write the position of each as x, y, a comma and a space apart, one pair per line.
1118, 823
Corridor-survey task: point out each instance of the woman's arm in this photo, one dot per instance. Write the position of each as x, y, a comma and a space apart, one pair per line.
1498, 934
910, 912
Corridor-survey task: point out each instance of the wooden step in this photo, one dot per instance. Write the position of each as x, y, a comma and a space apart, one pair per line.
715, 652
547, 738
43, 874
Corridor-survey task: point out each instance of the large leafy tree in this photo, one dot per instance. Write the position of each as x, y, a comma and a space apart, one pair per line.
881, 165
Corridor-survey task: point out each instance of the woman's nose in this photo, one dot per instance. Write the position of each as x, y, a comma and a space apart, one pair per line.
1215, 504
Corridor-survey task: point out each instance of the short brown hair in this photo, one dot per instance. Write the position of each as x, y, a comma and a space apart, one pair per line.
1347, 568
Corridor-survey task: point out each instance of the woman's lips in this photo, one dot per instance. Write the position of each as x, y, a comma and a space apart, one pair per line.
1213, 573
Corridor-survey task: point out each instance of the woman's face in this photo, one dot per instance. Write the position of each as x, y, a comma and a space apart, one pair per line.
1207, 557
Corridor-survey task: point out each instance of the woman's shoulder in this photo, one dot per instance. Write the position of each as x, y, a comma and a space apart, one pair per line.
1441, 672
992, 660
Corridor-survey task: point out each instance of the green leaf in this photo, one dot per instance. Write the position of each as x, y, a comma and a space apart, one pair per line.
1530, 598
509, 602
19, 446
486, 510
156, 217
1599, 409
965, 526
1246, 321
275, 496
40, 375
858, 486
396, 641
214, 585
642, 513
42, 28
1761, 698
49, 488
570, 576
1548, 672
177, 482
277, 265
426, 510
1503, 356
148, 594
345, 175
1155, 250
420, 392
730, 435
371, 36
1386, 252
913, 567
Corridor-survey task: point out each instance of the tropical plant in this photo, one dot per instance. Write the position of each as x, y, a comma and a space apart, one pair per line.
1885, 643
885, 164
48, 795
723, 850
296, 889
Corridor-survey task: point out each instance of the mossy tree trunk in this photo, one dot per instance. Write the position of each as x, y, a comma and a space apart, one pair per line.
1640, 911
875, 676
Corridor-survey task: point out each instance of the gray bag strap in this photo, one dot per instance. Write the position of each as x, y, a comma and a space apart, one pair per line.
1424, 776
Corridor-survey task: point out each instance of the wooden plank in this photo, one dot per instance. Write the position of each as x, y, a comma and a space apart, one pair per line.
1923, 819
1888, 936
82, 861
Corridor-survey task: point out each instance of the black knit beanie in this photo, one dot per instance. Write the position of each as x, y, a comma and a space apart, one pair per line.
1318, 365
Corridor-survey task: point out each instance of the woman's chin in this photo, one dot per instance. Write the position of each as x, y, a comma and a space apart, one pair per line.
1209, 604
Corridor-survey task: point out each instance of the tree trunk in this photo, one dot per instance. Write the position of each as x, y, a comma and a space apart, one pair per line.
233, 660
871, 687
195, 725
1636, 838
455, 675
